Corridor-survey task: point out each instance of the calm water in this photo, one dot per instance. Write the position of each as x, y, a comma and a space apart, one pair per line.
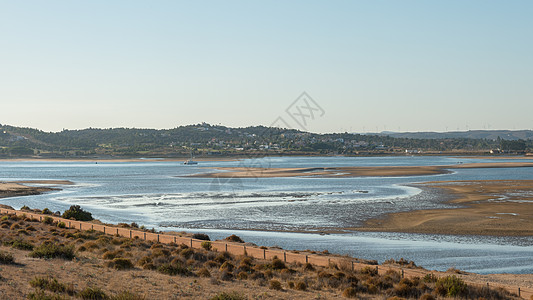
268, 211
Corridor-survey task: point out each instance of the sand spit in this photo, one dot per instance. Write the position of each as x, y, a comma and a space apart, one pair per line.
243, 172
486, 207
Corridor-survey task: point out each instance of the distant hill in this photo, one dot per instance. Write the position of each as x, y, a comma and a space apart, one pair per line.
206, 139
471, 134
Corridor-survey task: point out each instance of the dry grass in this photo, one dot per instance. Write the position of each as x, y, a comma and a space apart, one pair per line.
58, 263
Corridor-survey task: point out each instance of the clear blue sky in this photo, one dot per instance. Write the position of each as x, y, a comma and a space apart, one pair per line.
370, 65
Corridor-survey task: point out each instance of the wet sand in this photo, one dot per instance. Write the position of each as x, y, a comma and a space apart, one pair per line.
243, 172
494, 207
17, 188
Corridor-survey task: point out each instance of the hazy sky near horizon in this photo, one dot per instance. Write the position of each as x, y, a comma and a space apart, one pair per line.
369, 65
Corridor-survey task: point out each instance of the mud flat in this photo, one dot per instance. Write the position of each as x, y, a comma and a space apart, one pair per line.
491, 207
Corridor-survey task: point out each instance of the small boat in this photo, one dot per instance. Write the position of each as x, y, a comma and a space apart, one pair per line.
190, 161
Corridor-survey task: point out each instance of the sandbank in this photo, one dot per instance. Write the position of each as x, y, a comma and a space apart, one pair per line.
484, 207
17, 188
381, 171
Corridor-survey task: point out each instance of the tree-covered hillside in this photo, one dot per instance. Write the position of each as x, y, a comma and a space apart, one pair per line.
205, 139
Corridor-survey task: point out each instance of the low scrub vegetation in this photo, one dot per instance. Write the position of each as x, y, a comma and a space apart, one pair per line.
119, 254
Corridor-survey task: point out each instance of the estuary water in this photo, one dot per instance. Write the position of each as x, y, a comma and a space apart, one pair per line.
294, 213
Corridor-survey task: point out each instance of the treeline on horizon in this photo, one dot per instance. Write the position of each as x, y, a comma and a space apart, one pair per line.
206, 139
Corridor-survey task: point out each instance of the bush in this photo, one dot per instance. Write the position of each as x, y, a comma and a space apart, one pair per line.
120, 263
92, 293
75, 212
61, 225
46, 211
201, 236
170, 269
127, 295
300, 286
228, 296
278, 264
207, 245
203, 272
51, 284
349, 293
234, 238
41, 295
450, 286
275, 285
51, 250
48, 220
19, 244
6, 258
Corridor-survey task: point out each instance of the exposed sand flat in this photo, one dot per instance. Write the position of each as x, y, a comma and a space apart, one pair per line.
243, 172
493, 207
16, 188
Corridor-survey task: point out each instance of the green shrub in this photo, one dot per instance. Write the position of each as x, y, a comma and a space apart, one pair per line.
77, 213
46, 211
24, 207
6, 258
61, 225
201, 236
19, 244
170, 269
92, 293
207, 245
451, 286
52, 250
48, 220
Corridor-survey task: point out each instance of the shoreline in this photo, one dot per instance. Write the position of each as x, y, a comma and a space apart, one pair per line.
18, 188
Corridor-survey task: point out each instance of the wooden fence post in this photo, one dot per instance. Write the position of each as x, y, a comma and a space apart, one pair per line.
104, 229
284, 256
244, 250
264, 254
352, 265
145, 236
158, 238
306, 259
226, 247
130, 234
175, 240
80, 225
117, 231
191, 243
